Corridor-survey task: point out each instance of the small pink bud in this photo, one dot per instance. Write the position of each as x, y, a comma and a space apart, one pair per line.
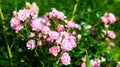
39, 43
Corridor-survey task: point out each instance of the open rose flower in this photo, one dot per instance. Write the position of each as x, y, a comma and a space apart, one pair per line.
53, 35
16, 24
31, 44
54, 50
65, 58
111, 34
108, 18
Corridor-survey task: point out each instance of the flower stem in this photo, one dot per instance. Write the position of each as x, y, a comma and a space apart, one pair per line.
4, 32
36, 52
74, 11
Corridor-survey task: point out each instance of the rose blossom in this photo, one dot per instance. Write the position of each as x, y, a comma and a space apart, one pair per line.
39, 43
23, 14
47, 22
69, 24
83, 64
65, 58
32, 34
33, 7
49, 40
15, 24
61, 37
54, 50
111, 18
68, 43
36, 24
94, 63
14, 13
74, 33
108, 18
45, 29
118, 63
60, 28
53, 35
39, 35
111, 34
105, 20
55, 14
31, 44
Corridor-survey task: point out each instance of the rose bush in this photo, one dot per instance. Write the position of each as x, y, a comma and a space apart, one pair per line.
78, 36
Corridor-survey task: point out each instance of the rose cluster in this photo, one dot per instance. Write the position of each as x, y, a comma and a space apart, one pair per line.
94, 62
109, 18
52, 28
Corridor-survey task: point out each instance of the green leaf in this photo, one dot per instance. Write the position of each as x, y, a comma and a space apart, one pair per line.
88, 64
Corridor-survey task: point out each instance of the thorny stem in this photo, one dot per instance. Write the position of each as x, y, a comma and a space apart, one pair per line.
75, 9
4, 32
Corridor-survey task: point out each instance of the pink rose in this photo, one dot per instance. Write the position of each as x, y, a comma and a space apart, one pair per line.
83, 64
68, 43
108, 18
39, 35
47, 22
65, 58
32, 34
105, 20
111, 34
94, 63
23, 14
15, 24
54, 50
36, 24
31, 44
53, 35
60, 28
111, 18
45, 29
49, 40
39, 43
118, 63
55, 14
15, 13
69, 24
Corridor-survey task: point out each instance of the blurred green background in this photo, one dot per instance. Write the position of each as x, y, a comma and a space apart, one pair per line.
88, 11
